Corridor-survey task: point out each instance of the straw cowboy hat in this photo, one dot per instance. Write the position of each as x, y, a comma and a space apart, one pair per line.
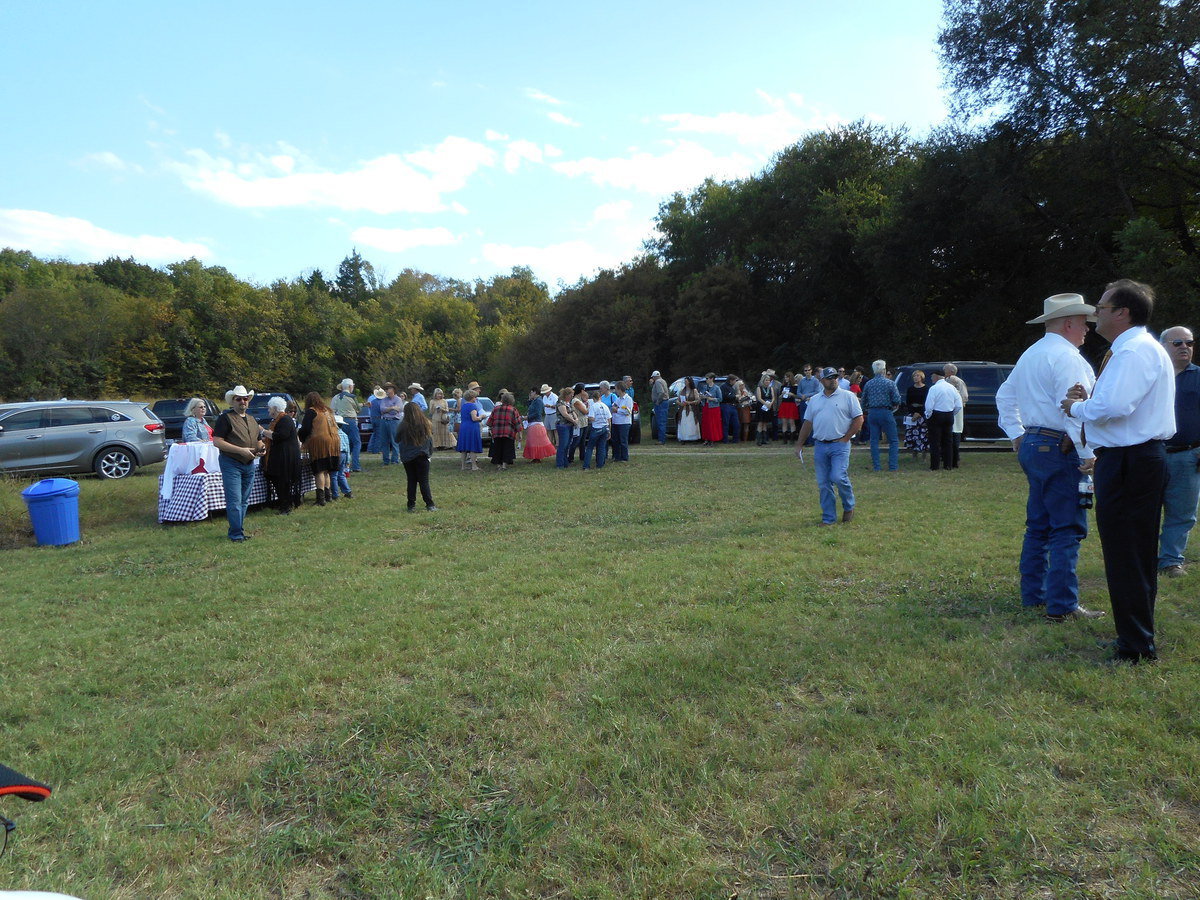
1061, 305
545, 389
379, 393
239, 391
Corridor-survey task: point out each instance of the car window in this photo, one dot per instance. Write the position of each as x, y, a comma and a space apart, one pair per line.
102, 414
981, 382
165, 408
23, 421
68, 415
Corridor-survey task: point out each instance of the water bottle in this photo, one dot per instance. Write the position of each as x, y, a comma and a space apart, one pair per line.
1086, 491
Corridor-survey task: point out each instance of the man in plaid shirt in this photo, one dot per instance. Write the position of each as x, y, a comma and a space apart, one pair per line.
880, 397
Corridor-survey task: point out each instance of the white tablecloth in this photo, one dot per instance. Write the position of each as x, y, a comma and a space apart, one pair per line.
182, 459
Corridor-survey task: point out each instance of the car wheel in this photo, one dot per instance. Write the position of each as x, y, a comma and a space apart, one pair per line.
113, 462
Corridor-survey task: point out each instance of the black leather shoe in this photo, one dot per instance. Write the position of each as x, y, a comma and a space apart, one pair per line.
1078, 612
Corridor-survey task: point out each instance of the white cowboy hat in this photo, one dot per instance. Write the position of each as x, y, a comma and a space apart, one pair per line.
545, 389
1061, 305
379, 393
239, 391
415, 387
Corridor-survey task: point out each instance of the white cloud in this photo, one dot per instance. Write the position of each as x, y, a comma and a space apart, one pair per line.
49, 235
685, 165
616, 211
108, 160
564, 262
519, 150
551, 151
562, 120
397, 240
413, 182
493, 135
785, 122
542, 97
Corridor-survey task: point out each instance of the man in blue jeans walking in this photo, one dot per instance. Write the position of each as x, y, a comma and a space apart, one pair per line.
236, 436
1050, 450
880, 397
1183, 454
833, 418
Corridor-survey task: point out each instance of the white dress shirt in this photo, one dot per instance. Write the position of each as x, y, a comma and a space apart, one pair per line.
942, 397
1031, 397
1134, 398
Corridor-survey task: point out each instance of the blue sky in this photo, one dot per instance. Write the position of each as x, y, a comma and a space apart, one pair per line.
459, 138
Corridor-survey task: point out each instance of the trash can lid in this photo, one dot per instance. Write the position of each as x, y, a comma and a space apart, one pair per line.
51, 487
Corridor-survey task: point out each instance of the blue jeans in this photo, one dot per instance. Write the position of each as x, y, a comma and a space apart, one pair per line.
1055, 523
660, 420
731, 425
338, 480
237, 478
879, 419
373, 443
1179, 506
387, 441
832, 463
598, 442
350, 429
562, 460
620, 443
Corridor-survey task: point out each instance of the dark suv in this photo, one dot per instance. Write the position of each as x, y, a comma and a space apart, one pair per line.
258, 406
171, 413
983, 379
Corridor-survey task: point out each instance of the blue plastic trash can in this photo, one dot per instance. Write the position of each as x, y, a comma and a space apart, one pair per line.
54, 508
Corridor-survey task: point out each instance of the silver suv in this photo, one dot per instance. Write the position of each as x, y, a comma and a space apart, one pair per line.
110, 438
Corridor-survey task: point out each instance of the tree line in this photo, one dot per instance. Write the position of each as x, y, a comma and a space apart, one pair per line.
122, 328
1072, 159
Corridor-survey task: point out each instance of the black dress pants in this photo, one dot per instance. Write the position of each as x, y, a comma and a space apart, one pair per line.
417, 471
1129, 492
941, 440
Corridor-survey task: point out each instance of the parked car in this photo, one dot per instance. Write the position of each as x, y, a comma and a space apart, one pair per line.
258, 406
486, 405
635, 430
673, 403
110, 438
170, 413
983, 379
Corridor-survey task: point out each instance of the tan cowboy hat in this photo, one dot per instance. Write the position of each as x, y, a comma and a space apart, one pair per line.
545, 389
239, 391
379, 393
1061, 305
415, 387
473, 386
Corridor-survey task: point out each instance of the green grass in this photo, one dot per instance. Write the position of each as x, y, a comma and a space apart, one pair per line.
655, 680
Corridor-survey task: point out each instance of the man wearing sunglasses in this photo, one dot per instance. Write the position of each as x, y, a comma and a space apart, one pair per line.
1127, 420
1183, 454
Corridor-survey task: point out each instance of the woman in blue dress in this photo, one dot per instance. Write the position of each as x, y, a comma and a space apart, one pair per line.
470, 435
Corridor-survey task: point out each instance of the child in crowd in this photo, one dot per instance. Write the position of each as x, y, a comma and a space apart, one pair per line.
340, 480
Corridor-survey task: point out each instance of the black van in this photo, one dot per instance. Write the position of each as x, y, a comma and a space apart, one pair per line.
981, 419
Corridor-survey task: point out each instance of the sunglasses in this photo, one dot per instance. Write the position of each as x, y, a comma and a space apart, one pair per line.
1179, 342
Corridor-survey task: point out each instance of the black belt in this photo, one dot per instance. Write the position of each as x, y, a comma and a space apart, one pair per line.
1181, 448
830, 441
1102, 450
1045, 432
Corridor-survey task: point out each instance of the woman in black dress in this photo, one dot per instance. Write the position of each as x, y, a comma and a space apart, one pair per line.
916, 431
281, 465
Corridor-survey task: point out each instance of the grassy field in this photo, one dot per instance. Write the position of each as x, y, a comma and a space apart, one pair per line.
656, 680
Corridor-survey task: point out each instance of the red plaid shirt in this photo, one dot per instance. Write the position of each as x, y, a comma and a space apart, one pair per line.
504, 422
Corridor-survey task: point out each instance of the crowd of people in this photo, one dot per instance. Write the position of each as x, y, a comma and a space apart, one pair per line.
1134, 425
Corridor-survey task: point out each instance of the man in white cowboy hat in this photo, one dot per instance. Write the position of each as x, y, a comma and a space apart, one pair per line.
550, 410
417, 396
1127, 418
1050, 450
236, 435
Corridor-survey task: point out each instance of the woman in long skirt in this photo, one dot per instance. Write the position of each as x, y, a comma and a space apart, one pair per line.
281, 465
916, 431
689, 412
470, 432
439, 413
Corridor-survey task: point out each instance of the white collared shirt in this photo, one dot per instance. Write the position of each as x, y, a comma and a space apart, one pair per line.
1031, 396
622, 411
943, 397
1134, 398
